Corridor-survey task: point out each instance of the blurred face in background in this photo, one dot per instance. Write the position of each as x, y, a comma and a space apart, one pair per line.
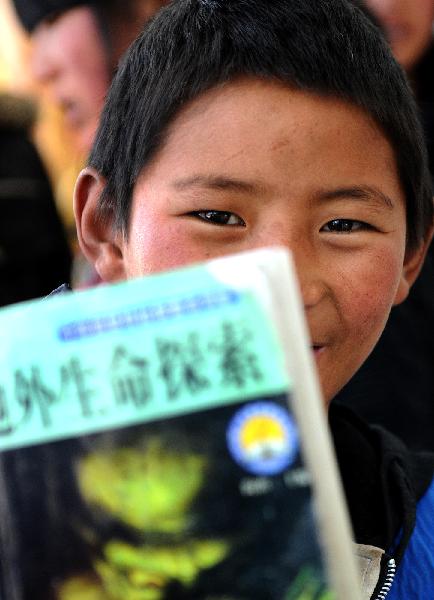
407, 25
69, 55
72, 56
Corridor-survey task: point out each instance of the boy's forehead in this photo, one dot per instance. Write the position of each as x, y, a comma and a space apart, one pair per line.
258, 128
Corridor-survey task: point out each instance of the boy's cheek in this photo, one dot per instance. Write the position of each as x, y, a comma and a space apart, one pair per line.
375, 289
160, 245
361, 300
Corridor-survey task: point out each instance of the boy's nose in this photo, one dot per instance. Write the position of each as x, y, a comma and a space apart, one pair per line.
313, 291
312, 277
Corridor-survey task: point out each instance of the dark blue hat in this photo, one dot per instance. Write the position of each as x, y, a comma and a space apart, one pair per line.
32, 12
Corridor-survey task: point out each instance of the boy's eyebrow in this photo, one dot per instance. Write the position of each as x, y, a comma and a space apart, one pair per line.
215, 182
219, 182
359, 192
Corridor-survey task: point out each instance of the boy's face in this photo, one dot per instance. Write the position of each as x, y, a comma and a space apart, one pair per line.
252, 164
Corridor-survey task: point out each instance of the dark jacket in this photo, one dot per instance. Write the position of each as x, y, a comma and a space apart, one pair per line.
390, 495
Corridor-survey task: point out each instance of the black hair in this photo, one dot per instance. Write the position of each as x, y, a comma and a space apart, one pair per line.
327, 47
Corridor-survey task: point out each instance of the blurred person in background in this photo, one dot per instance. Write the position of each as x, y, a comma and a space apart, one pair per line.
408, 27
34, 252
395, 387
76, 46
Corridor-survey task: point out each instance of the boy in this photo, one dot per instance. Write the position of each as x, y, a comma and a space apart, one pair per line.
234, 125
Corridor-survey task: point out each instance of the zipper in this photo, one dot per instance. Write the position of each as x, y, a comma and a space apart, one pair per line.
388, 581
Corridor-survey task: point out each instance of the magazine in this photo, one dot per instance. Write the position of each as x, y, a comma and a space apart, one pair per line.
165, 439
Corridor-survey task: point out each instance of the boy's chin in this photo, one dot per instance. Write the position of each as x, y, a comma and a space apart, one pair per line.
331, 379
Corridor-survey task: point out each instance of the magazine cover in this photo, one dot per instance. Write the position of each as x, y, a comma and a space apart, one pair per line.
149, 446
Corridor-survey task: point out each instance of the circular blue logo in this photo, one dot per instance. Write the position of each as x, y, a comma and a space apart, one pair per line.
262, 438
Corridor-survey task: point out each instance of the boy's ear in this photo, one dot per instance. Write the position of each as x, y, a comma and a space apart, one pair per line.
101, 245
413, 262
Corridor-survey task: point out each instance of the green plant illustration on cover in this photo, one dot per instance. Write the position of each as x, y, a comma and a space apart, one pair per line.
151, 492
308, 586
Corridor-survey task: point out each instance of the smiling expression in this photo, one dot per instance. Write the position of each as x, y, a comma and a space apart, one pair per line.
254, 163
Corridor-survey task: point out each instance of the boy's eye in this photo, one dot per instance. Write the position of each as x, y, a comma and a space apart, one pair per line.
219, 217
345, 226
